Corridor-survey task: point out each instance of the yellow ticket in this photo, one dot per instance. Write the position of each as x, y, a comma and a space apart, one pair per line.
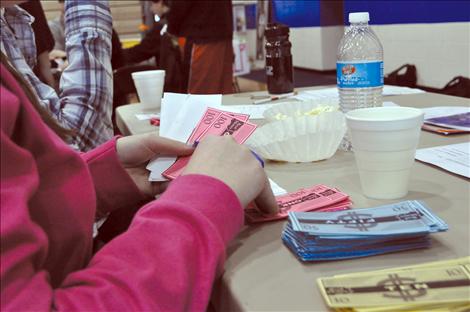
450, 262
452, 307
435, 285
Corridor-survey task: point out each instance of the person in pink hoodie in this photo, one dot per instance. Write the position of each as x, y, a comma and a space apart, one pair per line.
171, 253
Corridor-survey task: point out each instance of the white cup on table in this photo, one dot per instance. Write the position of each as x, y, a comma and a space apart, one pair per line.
149, 86
384, 141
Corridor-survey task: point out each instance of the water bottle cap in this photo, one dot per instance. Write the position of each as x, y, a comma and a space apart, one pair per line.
359, 17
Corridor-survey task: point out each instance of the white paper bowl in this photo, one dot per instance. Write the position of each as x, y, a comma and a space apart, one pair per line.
297, 109
300, 139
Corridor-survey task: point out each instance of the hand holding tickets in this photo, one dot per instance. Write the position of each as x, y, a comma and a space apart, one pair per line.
136, 150
318, 236
214, 122
318, 198
436, 286
235, 165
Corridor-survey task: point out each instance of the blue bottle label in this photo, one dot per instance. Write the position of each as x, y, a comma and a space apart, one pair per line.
360, 74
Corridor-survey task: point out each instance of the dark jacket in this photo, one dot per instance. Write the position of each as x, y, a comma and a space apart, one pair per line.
201, 21
147, 48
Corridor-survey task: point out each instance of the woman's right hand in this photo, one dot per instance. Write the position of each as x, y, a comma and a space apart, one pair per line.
235, 165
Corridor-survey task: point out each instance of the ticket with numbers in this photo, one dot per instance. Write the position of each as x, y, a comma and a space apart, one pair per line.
226, 124
318, 198
222, 123
323, 236
208, 118
444, 284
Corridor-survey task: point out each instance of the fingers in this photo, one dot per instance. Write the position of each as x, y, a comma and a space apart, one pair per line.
137, 150
159, 187
265, 201
237, 167
166, 147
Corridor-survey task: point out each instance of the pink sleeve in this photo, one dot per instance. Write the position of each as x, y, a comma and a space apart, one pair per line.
166, 261
113, 186
169, 257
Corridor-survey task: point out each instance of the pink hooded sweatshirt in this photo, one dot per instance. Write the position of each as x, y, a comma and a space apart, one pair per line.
166, 261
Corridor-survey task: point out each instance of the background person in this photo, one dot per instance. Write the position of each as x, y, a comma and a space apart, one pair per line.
84, 103
57, 26
150, 45
208, 25
44, 42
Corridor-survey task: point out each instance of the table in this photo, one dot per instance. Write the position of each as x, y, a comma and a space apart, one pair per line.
261, 274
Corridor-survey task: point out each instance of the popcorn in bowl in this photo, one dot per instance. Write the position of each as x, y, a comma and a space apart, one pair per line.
297, 109
311, 135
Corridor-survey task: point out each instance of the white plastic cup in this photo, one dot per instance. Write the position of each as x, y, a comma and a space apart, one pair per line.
149, 86
384, 141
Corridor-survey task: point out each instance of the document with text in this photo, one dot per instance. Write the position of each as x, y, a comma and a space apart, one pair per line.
454, 158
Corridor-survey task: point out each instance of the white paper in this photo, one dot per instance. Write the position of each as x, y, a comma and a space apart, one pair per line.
180, 113
157, 166
321, 94
332, 93
171, 104
441, 111
255, 111
146, 116
397, 90
277, 190
454, 158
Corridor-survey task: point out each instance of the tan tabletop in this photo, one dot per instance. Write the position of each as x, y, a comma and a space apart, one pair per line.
261, 274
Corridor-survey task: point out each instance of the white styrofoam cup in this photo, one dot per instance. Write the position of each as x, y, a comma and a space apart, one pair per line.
149, 85
384, 141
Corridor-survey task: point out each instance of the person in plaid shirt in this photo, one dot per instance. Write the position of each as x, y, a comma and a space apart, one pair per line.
84, 103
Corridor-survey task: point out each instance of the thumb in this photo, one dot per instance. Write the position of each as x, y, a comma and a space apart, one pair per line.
166, 147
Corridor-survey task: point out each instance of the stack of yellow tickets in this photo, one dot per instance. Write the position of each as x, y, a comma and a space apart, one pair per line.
429, 287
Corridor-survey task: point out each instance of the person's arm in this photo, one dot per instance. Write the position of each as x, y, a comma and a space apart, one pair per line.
85, 101
166, 261
118, 192
58, 34
168, 258
43, 39
86, 86
147, 48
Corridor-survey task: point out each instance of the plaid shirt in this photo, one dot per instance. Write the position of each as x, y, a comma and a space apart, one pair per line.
86, 86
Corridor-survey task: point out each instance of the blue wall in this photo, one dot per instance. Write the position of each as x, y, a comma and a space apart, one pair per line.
411, 11
297, 13
314, 13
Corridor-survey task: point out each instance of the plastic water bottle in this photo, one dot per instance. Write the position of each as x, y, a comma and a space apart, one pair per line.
359, 68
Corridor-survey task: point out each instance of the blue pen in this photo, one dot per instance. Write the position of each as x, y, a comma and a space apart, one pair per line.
259, 158
254, 154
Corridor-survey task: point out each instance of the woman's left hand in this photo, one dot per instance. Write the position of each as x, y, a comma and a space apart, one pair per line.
135, 151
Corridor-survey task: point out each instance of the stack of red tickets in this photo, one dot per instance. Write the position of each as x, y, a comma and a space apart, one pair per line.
315, 198
214, 122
